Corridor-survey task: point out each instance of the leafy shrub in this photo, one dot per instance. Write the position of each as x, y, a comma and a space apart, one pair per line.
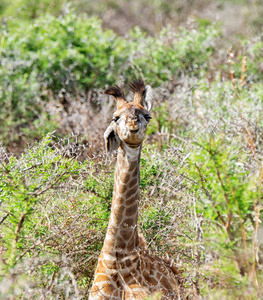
31, 9
49, 212
173, 53
219, 135
43, 60
253, 49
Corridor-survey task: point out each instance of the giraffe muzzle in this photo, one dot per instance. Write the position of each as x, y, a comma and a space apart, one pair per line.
133, 126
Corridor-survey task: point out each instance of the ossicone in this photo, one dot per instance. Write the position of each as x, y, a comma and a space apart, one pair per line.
118, 94
137, 87
143, 94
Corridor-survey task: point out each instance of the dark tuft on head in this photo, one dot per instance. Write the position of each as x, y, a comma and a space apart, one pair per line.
137, 86
115, 91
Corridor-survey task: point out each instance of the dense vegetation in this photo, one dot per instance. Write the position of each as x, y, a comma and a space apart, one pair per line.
201, 166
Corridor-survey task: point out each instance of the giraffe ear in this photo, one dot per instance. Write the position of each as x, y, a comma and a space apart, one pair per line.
148, 101
112, 140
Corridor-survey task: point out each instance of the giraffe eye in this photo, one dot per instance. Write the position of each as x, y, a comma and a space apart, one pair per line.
147, 118
115, 119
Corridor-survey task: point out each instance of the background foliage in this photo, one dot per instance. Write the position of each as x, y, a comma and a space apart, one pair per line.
201, 166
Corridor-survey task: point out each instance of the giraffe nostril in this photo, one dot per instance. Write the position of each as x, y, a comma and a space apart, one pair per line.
132, 125
133, 118
132, 121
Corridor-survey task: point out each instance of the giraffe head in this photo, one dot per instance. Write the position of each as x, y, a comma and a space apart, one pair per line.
130, 120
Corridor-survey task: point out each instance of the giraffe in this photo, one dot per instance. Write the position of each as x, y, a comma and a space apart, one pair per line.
126, 269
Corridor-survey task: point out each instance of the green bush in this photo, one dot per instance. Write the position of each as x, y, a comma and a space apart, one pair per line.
51, 210
39, 59
31, 9
173, 53
220, 138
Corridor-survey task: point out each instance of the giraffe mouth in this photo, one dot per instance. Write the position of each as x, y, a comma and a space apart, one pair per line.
134, 131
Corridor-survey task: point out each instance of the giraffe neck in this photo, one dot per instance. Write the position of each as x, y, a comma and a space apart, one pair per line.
122, 233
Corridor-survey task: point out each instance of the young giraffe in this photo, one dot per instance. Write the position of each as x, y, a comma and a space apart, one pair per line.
126, 269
